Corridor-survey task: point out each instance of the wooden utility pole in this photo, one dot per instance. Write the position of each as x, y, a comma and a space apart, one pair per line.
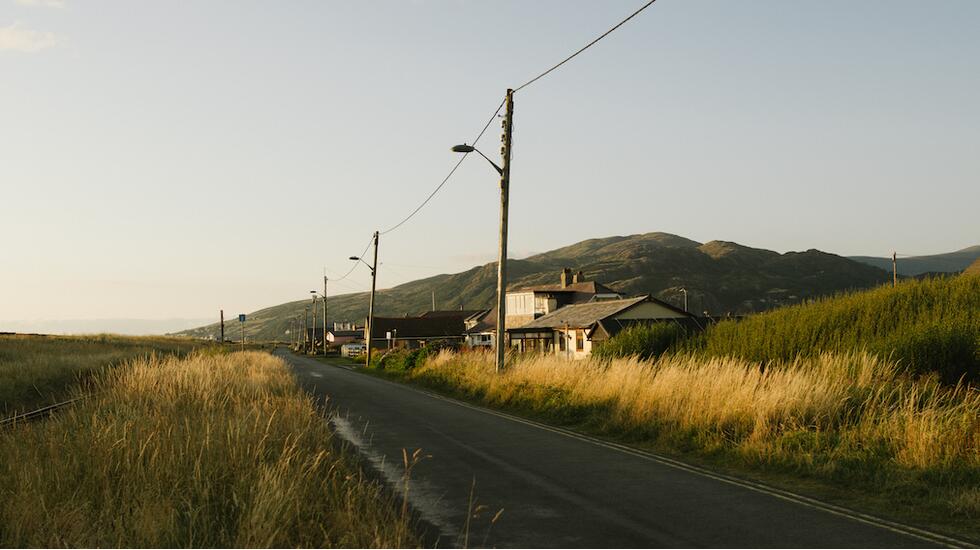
306, 326
894, 269
324, 315
508, 125
374, 280
222, 326
313, 338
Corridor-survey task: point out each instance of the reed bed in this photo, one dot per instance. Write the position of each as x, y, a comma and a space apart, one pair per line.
853, 420
215, 450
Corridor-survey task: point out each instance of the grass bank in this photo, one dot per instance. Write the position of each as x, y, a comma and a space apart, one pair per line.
214, 450
39, 370
853, 428
929, 326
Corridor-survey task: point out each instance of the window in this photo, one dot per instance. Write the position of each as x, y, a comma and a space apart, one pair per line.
579, 340
561, 341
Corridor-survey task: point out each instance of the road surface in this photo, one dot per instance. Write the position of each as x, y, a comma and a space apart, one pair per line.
559, 489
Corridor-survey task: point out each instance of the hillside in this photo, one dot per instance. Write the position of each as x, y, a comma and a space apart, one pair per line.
930, 325
950, 262
720, 277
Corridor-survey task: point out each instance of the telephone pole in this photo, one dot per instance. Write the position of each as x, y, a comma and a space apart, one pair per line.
508, 125
222, 326
324, 315
374, 280
313, 307
894, 269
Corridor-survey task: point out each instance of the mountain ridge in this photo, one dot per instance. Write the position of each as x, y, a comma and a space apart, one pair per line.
949, 262
720, 277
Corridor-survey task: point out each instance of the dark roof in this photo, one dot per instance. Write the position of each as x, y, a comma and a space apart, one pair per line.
461, 313
612, 327
581, 315
417, 327
345, 333
586, 314
486, 323
589, 287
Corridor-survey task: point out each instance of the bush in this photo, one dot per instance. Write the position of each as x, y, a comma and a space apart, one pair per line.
643, 341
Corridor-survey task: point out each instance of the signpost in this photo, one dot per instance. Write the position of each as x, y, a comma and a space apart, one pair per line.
241, 319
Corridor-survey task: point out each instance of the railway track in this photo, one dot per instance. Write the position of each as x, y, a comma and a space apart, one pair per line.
38, 414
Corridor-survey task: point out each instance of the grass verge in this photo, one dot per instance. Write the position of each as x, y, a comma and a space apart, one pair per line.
207, 451
848, 428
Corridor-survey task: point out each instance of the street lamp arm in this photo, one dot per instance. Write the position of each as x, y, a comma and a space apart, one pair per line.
358, 258
464, 148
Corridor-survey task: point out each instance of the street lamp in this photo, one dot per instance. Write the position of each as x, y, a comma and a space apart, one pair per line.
684, 290
504, 172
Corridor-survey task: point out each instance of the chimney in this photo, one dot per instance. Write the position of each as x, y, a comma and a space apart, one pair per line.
578, 278
565, 274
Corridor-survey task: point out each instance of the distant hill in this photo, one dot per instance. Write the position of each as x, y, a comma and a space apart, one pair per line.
719, 276
951, 262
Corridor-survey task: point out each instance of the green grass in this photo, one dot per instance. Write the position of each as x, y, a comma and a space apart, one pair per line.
928, 326
39, 370
214, 450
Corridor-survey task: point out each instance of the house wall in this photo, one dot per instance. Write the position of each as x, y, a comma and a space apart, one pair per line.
571, 351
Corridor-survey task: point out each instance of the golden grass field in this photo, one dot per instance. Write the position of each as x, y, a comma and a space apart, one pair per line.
37, 370
853, 421
212, 450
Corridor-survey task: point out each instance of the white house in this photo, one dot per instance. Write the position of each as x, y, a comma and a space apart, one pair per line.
572, 330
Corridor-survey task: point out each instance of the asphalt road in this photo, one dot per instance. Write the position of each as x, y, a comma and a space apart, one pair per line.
558, 489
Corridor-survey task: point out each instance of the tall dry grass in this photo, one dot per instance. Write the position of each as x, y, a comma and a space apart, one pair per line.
209, 451
853, 418
37, 370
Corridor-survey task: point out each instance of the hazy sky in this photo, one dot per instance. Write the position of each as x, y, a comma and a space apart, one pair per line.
166, 159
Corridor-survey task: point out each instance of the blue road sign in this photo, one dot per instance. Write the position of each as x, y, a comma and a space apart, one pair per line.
241, 317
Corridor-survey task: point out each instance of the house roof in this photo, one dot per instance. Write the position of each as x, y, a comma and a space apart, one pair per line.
417, 327
461, 313
589, 287
486, 323
346, 333
581, 315
612, 327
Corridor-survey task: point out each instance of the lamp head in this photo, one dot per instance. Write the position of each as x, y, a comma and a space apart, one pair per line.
464, 148
355, 258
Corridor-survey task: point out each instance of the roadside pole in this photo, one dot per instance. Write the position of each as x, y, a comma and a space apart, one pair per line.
222, 326
894, 269
324, 315
505, 152
241, 321
313, 338
374, 280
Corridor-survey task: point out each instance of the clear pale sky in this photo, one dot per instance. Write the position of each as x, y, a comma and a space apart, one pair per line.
167, 159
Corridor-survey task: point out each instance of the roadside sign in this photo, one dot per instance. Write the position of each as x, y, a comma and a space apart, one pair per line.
388, 335
241, 317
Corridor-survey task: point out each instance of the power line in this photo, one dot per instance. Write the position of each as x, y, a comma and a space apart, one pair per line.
587, 46
361, 255
449, 175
